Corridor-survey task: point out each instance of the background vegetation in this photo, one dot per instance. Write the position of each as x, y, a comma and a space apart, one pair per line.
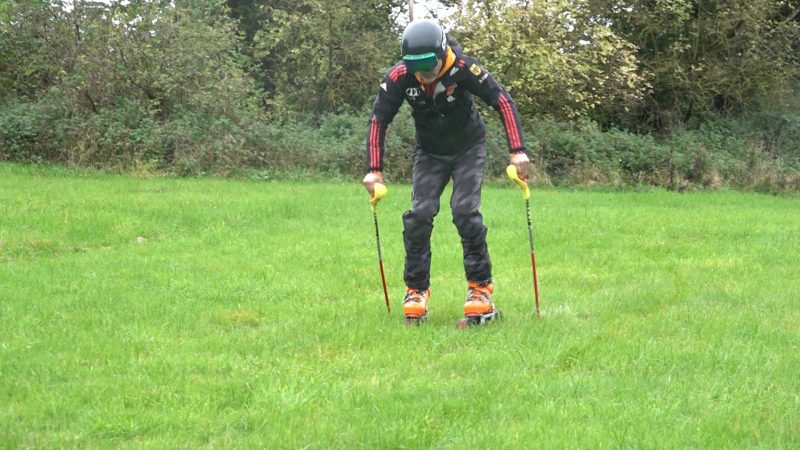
676, 93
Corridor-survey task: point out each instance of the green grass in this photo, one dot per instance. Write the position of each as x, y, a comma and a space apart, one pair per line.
183, 313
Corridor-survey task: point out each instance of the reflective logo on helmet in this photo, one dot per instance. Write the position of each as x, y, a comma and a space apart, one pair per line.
475, 70
412, 92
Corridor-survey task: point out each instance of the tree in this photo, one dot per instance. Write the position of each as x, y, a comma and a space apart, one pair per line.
707, 57
30, 43
320, 56
137, 79
553, 62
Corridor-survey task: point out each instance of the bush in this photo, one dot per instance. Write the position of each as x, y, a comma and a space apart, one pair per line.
759, 153
755, 153
737, 154
26, 132
334, 146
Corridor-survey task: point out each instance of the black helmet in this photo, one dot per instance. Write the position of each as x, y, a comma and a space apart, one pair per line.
424, 42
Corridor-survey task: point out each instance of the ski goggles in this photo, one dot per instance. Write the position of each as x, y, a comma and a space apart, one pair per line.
421, 63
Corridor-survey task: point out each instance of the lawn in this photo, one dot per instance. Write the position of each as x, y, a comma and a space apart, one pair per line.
185, 313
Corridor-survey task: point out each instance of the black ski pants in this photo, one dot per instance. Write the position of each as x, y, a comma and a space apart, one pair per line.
431, 173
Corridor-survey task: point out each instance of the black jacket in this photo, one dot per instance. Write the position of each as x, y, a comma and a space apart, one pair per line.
444, 111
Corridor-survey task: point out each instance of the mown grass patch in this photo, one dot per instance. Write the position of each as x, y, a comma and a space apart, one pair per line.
210, 313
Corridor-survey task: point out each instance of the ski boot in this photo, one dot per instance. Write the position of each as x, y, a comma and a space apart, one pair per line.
415, 305
479, 308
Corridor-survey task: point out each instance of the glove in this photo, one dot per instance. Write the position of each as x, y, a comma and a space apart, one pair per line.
369, 182
521, 162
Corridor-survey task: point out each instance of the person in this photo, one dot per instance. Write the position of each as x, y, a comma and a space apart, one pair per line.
439, 81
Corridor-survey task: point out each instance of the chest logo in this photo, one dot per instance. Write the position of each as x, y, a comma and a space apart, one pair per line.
475, 70
412, 92
449, 91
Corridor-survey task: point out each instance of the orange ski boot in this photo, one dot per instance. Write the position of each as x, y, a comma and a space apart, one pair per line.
479, 307
415, 305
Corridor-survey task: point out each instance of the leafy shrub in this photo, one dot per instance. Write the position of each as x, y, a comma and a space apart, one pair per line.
25, 131
757, 153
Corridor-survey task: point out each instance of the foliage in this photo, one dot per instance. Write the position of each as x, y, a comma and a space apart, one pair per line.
132, 83
331, 146
213, 86
706, 58
34, 48
25, 131
318, 56
756, 153
5, 9
553, 63
646, 65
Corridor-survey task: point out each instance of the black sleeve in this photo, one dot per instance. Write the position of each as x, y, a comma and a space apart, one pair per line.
387, 103
482, 84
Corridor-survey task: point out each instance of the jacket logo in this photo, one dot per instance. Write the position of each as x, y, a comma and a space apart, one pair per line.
475, 70
449, 91
453, 71
412, 92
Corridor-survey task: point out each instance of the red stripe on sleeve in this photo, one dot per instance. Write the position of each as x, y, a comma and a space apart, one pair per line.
371, 140
398, 72
377, 143
373, 143
510, 122
513, 123
502, 103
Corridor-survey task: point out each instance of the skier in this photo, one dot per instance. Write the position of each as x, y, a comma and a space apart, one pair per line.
438, 81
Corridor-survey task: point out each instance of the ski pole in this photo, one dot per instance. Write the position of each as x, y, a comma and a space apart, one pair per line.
511, 171
379, 191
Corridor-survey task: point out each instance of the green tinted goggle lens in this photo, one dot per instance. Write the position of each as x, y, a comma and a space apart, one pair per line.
421, 63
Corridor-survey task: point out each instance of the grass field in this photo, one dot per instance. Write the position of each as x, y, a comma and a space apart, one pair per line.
184, 313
